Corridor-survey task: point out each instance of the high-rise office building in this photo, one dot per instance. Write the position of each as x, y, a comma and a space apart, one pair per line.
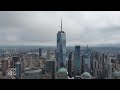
70, 65
4, 66
18, 70
103, 65
51, 68
87, 64
22, 64
40, 51
48, 55
118, 58
14, 60
106, 66
61, 48
110, 70
77, 61
99, 65
82, 66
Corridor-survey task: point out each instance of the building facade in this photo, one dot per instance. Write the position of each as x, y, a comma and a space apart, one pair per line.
87, 64
4, 66
51, 68
118, 57
40, 52
18, 70
14, 60
61, 48
62, 74
77, 60
32, 74
70, 65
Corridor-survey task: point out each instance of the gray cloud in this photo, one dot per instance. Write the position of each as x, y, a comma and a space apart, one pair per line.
41, 27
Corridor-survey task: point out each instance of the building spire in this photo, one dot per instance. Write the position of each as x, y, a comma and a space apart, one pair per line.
61, 23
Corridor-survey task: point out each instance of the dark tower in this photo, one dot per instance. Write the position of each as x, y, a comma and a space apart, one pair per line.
70, 65
51, 68
82, 69
4, 66
77, 60
14, 60
40, 52
103, 65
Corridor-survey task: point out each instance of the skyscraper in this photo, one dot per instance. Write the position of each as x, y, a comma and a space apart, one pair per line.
50, 68
82, 66
61, 48
18, 70
118, 57
103, 65
87, 64
40, 52
14, 60
4, 66
77, 62
48, 55
70, 65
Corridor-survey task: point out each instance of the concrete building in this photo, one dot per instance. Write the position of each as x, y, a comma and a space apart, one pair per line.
1, 75
4, 66
70, 65
32, 74
62, 74
14, 60
95, 67
86, 75
116, 75
118, 57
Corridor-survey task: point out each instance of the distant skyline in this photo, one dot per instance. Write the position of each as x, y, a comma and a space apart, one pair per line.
93, 28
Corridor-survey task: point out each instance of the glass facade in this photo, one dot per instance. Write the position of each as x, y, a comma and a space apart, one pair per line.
61, 49
50, 67
77, 60
40, 51
87, 63
18, 70
14, 60
70, 65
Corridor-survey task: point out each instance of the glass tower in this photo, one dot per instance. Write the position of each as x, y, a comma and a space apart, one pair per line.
61, 48
77, 60
18, 70
40, 51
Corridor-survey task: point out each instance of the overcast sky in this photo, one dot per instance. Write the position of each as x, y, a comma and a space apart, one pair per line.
41, 27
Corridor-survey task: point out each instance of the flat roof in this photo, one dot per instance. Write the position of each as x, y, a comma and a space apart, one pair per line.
33, 71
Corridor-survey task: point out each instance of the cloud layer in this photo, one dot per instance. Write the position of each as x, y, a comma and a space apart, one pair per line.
41, 27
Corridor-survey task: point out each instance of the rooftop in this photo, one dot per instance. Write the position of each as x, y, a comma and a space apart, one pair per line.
86, 75
61, 32
62, 70
33, 71
17, 62
116, 74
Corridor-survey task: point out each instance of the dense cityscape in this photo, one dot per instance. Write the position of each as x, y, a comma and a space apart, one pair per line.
60, 62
